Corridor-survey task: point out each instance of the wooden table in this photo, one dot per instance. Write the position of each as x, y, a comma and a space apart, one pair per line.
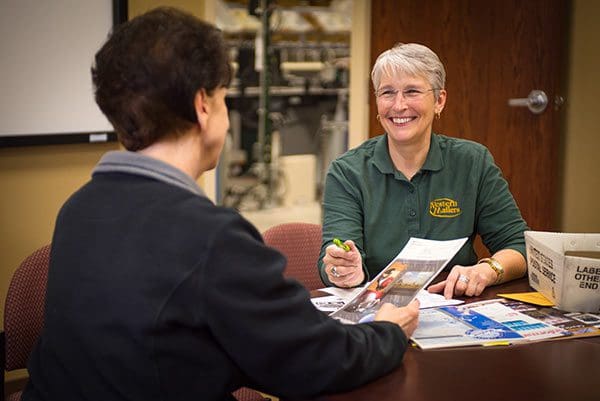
561, 370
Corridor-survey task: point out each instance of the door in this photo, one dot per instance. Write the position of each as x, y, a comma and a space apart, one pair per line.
493, 51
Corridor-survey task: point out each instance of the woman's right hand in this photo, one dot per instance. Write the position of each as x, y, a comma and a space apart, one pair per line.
406, 317
343, 268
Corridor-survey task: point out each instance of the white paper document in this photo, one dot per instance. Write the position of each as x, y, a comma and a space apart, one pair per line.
345, 293
331, 303
429, 300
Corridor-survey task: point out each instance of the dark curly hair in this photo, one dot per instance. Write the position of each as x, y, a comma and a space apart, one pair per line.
149, 70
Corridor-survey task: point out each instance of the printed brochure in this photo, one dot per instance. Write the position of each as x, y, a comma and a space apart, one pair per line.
412, 269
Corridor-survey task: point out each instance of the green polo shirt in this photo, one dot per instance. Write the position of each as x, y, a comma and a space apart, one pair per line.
459, 192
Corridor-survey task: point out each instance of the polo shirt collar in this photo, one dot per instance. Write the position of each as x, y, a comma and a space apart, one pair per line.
136, 163
383, 161
434, 161
381, 156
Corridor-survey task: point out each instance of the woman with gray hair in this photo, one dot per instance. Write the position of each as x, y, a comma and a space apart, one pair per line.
412, 182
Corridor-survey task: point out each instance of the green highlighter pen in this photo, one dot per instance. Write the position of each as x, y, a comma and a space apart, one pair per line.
338, 242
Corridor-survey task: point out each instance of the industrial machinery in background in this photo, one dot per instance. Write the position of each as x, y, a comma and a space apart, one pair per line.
288, 101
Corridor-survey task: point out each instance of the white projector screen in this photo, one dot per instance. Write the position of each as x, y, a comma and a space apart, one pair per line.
47, 50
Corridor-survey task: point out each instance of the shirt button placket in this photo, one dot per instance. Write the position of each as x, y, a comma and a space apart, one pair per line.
412, 207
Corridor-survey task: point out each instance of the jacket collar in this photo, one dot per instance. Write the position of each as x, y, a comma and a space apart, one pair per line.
139, 164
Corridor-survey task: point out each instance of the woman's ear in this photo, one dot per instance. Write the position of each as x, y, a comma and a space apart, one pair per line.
201, 106
441, 101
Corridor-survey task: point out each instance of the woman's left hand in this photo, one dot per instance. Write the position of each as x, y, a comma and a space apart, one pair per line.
466, 280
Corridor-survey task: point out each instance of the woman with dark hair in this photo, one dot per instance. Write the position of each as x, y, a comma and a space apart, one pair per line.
155, 293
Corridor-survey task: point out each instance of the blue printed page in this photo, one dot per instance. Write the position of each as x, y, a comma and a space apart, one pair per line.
527, 326
490, 322
459, 326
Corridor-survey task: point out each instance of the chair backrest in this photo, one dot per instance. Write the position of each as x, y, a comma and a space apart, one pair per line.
247, 394
24, 308
24, 313
301, 245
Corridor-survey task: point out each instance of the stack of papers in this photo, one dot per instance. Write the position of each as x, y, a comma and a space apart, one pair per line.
499, 322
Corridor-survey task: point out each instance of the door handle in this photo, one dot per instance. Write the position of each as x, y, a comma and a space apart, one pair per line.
536, 102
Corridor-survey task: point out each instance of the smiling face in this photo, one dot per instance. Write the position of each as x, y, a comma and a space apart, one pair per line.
406, 105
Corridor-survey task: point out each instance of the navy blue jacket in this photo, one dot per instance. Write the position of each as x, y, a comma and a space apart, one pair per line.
155, 293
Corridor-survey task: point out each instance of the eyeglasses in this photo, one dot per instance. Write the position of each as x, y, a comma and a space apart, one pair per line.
389, 94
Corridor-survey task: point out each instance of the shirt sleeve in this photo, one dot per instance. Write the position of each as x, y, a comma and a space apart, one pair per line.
342, 215
269, 327
499, 220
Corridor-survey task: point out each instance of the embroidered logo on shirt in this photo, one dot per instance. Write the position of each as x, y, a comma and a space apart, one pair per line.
444, 207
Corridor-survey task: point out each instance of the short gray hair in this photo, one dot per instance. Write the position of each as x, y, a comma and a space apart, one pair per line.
412, 59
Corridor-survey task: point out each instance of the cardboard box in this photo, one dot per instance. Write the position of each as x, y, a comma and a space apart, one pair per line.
565, 267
